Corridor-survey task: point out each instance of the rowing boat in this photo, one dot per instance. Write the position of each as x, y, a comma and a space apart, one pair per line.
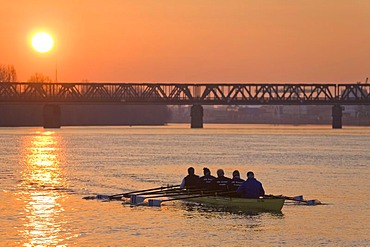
241, 204
219, 199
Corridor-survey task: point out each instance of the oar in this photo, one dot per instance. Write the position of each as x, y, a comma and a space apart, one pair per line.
138, 199
297, 199
164, 191
109, 197
173, 192
182, 193
157, 203
158, 189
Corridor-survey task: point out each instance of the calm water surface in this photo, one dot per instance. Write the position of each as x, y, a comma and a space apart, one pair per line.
45, 173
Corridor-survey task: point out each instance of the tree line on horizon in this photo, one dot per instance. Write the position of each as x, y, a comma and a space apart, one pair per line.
8, 73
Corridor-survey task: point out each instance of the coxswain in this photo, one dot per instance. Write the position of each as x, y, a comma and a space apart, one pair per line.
251, 188
221, 182
191, 180
235, 182
205, 181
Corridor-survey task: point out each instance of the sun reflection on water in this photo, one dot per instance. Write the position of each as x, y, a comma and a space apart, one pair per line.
42, 185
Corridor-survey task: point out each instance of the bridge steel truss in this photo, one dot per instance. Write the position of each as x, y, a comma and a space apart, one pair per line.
186, 94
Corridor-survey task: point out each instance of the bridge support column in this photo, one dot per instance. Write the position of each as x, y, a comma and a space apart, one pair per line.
52, 115
336, 113
196, 116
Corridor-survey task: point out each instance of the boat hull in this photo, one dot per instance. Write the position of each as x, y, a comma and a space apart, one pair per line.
242, 204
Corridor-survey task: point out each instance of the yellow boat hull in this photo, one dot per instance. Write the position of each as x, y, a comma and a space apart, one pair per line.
242, 204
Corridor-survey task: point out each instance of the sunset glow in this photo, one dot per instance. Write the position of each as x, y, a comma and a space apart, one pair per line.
191, 41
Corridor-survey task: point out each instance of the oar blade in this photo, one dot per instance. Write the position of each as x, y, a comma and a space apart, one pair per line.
103, 197
135, 199
154, 203
313, 202
89, 197
298, 198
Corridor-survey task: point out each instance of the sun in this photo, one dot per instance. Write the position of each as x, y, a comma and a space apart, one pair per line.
42, 42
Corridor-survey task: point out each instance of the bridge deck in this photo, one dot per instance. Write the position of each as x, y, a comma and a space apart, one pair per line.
185, 93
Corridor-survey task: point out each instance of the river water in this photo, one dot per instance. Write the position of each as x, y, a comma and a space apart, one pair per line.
45, 173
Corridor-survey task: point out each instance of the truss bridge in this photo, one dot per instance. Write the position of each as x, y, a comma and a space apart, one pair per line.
55, 94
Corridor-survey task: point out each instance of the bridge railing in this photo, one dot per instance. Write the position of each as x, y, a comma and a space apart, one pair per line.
184, 93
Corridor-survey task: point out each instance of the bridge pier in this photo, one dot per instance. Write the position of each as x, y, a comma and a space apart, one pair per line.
196, 116
336, 113
52, 115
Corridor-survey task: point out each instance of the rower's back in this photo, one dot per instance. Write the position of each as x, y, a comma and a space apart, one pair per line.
221, 182
206, 180
191, 181
235, 182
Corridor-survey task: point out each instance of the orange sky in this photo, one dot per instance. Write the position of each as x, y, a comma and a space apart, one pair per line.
190, 40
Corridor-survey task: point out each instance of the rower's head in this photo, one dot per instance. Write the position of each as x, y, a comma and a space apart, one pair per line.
191, 171
250, 174
236, 174
206, 171
220, 173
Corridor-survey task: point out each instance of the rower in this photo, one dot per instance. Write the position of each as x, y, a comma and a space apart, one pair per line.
251, 188
235, 182
191, 180
221, 182
205, 181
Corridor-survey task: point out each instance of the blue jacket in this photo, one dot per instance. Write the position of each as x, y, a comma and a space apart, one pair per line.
251, 188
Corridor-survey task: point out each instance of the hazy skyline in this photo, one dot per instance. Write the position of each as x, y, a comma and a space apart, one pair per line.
190, 41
